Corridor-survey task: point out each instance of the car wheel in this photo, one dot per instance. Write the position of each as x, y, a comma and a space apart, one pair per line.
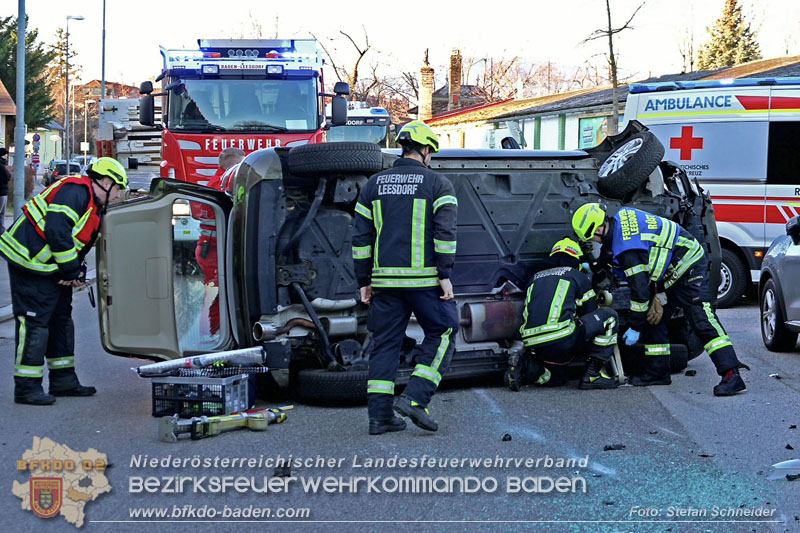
774, 333
311, 160
323, 386
733, 279
629, 165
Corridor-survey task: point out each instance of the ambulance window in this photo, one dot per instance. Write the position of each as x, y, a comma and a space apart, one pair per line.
783, 163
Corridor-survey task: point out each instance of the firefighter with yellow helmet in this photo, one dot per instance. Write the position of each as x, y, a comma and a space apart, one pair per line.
562, 321
648, 250
45, 248
404, 245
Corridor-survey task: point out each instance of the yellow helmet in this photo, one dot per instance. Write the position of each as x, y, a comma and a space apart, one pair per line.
587, 219
418, 132
567, 246
108, 167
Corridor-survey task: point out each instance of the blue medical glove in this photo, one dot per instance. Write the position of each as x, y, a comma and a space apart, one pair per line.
585, 267
631, 337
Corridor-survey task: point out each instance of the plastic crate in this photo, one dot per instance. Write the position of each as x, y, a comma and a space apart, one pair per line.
190, 397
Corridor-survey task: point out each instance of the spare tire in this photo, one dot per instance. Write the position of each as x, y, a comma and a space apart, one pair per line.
310, 160
318, 386
629, 165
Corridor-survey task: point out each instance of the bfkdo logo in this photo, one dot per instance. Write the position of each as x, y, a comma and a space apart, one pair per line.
46, 495
62, 481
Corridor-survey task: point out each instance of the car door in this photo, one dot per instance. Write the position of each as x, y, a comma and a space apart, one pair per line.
162, 291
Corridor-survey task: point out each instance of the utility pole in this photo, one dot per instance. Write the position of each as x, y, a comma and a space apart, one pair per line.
103, 68
19, 129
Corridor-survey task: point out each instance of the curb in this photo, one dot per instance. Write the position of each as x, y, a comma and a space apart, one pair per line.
7, 313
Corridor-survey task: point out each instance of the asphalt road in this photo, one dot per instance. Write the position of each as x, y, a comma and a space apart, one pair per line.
683, 449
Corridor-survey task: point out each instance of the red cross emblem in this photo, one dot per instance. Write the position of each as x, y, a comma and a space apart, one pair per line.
686, 143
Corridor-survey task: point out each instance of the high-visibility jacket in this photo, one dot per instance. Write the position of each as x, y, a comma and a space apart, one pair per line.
647, 248
555, 298
405, 229
56, 230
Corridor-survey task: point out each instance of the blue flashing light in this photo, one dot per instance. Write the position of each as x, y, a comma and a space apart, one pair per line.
635, 88
378, 111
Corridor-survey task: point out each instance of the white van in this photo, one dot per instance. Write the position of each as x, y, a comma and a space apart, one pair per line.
741, 140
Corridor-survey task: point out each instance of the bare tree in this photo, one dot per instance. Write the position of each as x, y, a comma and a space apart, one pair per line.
350, 75
608, 33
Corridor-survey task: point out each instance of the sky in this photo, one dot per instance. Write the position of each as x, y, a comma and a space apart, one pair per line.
399, 32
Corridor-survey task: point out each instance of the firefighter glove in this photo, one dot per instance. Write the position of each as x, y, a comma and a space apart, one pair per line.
655, 312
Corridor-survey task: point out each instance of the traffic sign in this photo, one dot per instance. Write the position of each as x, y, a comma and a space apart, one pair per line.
36, 137
35, 159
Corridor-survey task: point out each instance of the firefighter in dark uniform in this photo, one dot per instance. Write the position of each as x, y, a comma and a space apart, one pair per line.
647, 249
562, 321
404, 245
45, 248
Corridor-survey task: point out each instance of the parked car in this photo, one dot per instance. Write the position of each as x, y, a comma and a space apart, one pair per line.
285, 269
779, 291
83, 161
57, 169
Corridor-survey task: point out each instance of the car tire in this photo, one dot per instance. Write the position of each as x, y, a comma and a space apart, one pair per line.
733, 279
322, 386
629, 165
311, 160
774, 333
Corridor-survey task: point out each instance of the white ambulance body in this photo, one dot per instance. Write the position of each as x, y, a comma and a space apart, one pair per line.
741, 140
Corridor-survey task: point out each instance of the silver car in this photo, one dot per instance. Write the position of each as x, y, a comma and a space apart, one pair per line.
779, 294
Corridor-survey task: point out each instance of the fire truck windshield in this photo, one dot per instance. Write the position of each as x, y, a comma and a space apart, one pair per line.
244, 105
370, 134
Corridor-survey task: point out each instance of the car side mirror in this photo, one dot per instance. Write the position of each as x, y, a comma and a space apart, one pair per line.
793, 229
146, 87
147, 110
338, 111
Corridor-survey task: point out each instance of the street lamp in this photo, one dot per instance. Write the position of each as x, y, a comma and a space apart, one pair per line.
86, 128
66, 99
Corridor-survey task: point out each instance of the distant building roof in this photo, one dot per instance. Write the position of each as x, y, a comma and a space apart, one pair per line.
113, 89
788, 66
7, 106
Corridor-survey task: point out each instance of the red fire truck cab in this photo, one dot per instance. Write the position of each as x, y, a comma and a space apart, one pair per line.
247, 94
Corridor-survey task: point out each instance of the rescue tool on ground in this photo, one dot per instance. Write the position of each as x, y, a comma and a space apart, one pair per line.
170, 428
244, 356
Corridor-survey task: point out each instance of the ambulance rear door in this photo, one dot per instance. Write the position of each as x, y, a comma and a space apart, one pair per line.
783, 160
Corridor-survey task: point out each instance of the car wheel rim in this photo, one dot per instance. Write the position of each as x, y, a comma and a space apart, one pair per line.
725, 281
768, 314
616, 160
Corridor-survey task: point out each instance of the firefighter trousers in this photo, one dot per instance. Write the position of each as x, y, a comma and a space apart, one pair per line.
44, 329
595, 336
389, 313
691, 293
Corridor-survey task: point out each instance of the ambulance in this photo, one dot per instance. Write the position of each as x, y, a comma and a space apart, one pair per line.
741, 140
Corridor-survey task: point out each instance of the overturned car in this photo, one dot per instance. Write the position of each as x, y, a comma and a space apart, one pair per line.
284, 274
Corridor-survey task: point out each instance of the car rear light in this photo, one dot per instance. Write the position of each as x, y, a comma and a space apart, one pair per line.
55, 173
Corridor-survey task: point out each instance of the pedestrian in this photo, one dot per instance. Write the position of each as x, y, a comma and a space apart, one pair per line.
5, 177
404, 245
206, 250
647, 249
45, 248
562, 322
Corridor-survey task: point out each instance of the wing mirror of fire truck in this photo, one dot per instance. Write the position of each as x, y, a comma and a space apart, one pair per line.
341, 88
146, 87
338, 111
147, 110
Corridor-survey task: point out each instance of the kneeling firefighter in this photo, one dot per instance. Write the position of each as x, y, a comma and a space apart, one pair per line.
561, 322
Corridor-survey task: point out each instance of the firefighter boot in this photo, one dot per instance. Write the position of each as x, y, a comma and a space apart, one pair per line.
29, 391
656, 372
64, 382
596, 376
732, 383
416, 412
379, 427
517, 365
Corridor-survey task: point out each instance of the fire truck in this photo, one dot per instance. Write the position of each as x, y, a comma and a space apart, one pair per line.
238, 93
365, 124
